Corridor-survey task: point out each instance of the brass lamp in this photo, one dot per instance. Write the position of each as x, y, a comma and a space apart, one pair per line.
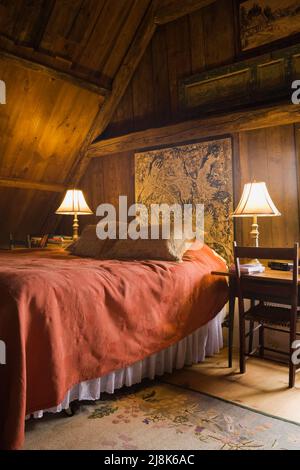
256, 202
75, 204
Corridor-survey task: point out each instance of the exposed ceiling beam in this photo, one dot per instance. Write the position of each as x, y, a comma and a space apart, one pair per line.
198, 128
179, 8
27, 184
125, 73
57, 74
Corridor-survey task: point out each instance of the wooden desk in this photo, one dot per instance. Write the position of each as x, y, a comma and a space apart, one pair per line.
271, 280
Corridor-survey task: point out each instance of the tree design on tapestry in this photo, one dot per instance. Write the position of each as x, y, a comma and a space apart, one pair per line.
199, 173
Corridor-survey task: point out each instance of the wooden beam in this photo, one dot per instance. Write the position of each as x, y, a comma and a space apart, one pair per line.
55, 73
179, 8
197, 129
125, 73
26, 184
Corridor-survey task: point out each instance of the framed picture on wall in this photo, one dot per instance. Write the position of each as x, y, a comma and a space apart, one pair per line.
267, 24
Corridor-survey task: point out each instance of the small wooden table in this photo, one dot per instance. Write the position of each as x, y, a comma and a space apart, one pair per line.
272, 279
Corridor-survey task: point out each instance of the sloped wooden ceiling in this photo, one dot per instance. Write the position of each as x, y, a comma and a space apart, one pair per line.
86, 38
66, 65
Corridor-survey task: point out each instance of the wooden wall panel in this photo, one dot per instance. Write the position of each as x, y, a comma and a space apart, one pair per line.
218, 33
143, 103
179, 58
106, 179
22, 212
198, 63
42, 130
269, 155
197, 42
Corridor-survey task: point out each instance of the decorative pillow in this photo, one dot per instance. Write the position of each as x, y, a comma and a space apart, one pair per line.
88, 245
140, 249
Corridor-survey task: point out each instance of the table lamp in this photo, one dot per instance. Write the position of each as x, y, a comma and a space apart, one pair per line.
256, 202
74, 204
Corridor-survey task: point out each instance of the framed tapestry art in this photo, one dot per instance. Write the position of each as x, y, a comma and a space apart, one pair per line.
197, 173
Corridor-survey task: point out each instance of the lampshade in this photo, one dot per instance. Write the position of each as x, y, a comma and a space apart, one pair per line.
256, 201
74, 203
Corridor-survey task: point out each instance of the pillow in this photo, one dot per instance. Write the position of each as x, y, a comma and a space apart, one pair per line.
71, 246
89, 245
140, 249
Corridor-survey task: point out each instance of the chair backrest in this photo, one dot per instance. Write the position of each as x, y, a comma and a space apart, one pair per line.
260, 288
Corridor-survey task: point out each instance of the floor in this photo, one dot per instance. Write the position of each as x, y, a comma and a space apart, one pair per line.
145, 418
262, 388
160, 416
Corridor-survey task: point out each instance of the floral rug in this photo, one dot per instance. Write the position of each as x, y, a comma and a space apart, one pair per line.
159, 417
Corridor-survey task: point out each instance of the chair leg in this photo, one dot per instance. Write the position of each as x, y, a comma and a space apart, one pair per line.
261, 341
230, 330
292, 367
292, 374
250, 344
242, 344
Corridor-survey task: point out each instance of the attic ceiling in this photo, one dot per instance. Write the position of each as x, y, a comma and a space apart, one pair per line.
66, 65
86, 38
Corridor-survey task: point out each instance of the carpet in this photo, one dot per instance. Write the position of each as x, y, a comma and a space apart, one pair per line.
161, 416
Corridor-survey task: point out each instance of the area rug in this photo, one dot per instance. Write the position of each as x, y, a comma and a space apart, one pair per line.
158, 417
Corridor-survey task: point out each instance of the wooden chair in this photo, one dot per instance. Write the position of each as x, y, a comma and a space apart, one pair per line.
267, 290
14, 243
17, 243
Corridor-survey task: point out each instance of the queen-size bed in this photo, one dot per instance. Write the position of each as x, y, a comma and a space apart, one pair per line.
75, 327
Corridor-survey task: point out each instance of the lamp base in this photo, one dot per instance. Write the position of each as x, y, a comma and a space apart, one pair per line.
75, 227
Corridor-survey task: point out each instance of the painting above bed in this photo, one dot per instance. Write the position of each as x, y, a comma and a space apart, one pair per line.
266, 21
198, 173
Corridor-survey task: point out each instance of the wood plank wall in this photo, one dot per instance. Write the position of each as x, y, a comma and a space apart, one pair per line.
268, 155
192, 44
41, 133
200, 41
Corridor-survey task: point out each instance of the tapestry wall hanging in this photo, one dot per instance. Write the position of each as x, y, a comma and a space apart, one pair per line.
198, 173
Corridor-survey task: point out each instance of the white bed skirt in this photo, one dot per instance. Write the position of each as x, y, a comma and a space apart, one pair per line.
206, 341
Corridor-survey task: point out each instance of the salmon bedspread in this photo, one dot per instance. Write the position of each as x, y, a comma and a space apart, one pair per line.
66, 319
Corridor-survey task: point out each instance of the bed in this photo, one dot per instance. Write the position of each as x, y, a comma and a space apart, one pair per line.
74, 327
